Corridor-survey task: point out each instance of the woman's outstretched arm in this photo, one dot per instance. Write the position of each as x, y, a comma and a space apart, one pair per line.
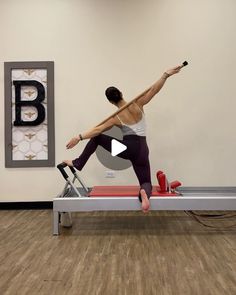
92, 132
157, 86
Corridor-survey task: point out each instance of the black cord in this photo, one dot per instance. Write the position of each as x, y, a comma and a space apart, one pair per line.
214, 216
210, 216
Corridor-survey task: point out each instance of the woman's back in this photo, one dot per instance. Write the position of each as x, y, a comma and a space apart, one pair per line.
131, 115
132, 121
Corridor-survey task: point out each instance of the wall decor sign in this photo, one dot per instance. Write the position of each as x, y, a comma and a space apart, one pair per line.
29, 114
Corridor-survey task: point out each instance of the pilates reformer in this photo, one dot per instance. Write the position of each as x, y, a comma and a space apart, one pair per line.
165, 196
115, 198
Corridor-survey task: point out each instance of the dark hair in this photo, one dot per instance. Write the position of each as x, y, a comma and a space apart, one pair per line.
113, 94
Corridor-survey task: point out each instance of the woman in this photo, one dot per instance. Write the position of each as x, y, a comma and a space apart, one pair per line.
131, 120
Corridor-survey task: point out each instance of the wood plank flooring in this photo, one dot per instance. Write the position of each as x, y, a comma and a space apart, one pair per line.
123, 253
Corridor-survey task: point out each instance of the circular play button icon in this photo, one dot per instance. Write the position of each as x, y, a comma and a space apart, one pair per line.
117, 147
116, 154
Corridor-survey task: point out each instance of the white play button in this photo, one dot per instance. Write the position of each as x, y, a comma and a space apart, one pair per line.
117, 147
110, 157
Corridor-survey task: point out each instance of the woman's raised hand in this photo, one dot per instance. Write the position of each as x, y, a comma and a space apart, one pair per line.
174, 70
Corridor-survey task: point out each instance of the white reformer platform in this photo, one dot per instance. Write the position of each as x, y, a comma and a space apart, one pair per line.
74, 199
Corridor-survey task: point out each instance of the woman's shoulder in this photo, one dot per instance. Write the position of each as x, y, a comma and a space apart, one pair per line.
134, 109
138, 106
131, 115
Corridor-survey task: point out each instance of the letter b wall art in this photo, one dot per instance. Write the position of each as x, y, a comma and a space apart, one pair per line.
29, 114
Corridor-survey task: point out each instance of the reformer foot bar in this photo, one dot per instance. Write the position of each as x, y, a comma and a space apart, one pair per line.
125, 198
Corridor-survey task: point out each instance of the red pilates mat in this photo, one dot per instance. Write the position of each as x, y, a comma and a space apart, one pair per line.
124, 191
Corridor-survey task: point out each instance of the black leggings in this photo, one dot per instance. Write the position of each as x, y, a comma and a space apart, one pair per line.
137, 152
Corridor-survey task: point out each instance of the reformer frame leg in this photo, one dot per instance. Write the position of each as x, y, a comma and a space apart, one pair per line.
55, 223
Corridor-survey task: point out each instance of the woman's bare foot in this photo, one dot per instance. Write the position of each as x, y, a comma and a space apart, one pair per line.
145, 201
68, 162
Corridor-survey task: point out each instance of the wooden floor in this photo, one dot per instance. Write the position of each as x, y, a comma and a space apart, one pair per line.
113, 253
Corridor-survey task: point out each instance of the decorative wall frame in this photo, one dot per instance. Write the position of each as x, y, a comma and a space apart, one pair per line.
29, 114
